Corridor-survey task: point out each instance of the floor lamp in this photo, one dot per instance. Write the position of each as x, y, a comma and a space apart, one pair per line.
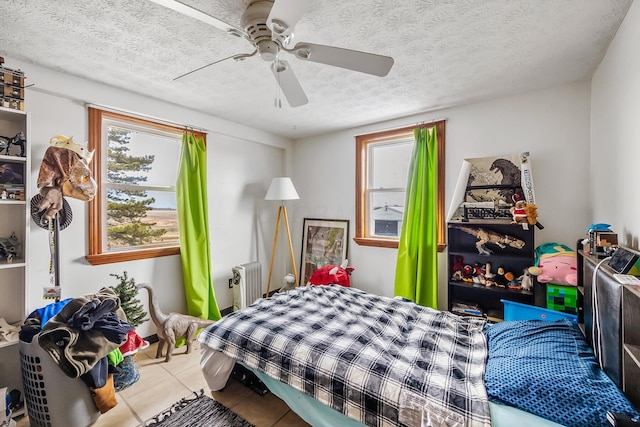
282, 189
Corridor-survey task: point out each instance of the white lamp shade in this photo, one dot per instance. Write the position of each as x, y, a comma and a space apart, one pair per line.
282, 188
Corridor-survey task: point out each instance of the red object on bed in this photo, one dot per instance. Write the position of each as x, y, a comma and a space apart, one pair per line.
331, 275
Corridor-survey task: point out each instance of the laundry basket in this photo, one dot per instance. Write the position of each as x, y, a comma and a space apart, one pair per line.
52, 398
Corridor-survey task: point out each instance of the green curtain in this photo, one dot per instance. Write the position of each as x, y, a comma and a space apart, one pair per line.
191, 193
417, 265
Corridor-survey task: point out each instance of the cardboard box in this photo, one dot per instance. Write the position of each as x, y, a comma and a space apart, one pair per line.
12, 77
14, 104
13, 92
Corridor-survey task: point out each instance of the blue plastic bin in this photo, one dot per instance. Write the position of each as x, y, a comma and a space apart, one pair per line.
519, 311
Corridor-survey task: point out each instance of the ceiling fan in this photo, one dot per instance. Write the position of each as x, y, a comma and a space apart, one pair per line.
268, 25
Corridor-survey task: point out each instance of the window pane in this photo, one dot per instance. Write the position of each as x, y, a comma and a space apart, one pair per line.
385, 215
389, 164
142, 166
141, 158
141, 218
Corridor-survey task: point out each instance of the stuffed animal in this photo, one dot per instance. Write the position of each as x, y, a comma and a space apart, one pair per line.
524, 213
456, 268
467, 273
332, 275
501, 279
518, 211
555, 263
489, 277
526, 280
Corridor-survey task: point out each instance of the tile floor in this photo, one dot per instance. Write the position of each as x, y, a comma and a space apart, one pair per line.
162, 384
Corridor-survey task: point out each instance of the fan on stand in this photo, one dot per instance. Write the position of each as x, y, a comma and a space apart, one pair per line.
60, 222
268, 26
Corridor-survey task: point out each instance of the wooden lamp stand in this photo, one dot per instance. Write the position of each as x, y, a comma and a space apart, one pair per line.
282, 211
282, 189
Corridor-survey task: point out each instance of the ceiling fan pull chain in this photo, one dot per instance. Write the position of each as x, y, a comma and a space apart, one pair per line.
277, 102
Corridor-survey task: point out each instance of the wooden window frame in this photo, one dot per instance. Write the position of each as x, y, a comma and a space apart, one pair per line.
362, 142
96, 216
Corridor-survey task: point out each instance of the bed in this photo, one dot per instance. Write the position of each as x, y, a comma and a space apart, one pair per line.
340, 356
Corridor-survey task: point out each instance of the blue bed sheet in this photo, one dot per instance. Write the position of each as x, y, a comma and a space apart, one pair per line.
547, 368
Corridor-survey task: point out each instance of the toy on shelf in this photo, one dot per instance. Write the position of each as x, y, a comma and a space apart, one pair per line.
524, 213
9, 247
526, 280
486, 236
555, 263
6, 142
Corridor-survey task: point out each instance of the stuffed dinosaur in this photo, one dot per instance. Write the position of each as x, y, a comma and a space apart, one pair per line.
332, 274
64, 171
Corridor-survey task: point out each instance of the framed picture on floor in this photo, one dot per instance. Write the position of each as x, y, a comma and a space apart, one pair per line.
324, 242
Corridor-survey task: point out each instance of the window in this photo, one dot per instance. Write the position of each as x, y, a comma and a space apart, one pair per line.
135, 165
382, 168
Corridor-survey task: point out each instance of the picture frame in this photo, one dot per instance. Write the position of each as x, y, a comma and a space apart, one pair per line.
324, 242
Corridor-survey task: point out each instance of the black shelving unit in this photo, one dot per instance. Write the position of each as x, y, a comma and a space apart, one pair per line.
462, 244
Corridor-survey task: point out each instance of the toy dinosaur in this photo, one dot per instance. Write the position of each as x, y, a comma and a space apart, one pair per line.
173, 325
488, 236
64, 171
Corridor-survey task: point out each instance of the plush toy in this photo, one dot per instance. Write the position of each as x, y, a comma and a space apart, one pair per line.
456, 268
332, 274
467, 273
526, 280
489, 277
501, 279
518, 211
555, 263
524, 213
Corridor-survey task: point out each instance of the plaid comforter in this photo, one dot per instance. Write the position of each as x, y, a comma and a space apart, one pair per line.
381, 361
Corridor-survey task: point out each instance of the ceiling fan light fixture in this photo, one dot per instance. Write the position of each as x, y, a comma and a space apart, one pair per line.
268, 50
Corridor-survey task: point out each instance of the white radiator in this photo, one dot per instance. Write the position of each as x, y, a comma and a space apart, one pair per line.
247, 284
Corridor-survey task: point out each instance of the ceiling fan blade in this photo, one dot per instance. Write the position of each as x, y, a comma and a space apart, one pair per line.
284, 16
355, 60
238, 57
201, 16
289, 83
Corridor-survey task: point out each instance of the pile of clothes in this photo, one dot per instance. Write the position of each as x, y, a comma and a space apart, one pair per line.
89, 338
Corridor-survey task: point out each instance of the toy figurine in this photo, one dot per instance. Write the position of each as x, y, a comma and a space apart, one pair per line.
18, 139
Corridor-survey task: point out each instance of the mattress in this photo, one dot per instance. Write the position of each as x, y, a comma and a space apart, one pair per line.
216, 368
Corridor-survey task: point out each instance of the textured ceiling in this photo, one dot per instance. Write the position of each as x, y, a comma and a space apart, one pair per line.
446, 52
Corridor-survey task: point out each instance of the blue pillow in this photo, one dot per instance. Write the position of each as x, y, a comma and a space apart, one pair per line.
547, 369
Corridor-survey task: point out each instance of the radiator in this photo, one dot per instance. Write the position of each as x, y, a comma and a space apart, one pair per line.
247, 284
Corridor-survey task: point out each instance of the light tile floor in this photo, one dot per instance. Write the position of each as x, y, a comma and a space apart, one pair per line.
161, 384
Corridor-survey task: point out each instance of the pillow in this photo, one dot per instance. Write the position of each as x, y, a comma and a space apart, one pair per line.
547, 369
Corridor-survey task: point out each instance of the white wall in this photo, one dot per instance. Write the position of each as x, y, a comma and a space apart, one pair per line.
241, 163
615, 133
553, 125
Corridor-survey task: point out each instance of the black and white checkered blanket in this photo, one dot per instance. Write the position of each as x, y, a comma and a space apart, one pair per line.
381, 361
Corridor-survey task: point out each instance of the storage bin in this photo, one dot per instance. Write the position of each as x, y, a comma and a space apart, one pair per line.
518, 311
51, 397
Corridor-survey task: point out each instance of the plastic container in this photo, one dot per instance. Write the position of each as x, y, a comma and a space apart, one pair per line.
51, 397
519, 311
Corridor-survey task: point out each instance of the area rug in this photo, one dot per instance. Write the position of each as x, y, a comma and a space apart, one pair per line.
198, 411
